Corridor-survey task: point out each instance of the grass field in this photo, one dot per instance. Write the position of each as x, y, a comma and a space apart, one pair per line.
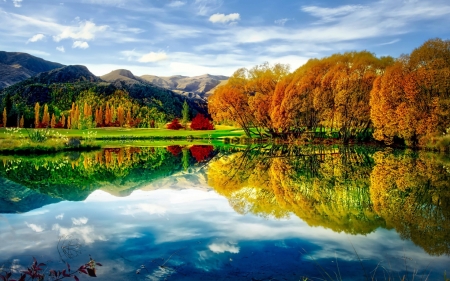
138, 133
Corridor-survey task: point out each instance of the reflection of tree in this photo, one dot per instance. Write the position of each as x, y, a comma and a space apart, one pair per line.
324, 187
411, 191
120, 170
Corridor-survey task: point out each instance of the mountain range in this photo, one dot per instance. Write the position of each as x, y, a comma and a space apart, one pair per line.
17, 67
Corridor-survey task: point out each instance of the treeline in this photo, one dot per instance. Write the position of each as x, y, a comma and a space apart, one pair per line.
92, 110
354, 95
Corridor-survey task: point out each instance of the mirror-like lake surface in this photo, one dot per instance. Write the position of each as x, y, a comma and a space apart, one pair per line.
222, 213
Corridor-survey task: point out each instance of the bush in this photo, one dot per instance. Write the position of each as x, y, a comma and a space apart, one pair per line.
200, 122
174, 125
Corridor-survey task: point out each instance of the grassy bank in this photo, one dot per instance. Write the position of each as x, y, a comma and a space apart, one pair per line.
23, 146
20, 141
143, 133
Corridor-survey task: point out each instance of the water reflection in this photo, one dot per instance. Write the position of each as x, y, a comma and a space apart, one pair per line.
345, 189
284, 200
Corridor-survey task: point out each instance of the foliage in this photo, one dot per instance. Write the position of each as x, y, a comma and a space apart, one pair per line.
174, 125
200, 122
201, 152
38, 271
185, 114
38, 135
411, 100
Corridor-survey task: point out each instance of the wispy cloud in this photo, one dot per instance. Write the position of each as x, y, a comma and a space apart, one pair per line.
281, 22
205, 7
85, 30
220, 248
80, 44
36, 38
17, 3
176, 4
222, 18
330, 14
62, 50
35, 227
80, 221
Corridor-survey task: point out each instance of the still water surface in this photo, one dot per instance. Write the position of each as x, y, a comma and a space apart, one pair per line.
204, 213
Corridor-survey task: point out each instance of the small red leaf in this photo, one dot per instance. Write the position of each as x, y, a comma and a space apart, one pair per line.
82, 270
76, 278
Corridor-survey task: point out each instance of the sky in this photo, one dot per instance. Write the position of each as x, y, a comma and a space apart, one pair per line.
194, 37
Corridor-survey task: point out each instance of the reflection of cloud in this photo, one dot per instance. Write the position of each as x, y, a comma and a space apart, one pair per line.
220, 248
35, 227
143, 208
80, 221
60, 216
84, 232
160, 274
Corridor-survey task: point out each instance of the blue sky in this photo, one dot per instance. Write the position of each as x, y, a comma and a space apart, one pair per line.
194, 37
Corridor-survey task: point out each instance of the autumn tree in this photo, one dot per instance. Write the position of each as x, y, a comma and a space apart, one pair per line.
411, 100
5, 117
21, 122
45, 117
53, 121
200, 122
174, 125
37, 121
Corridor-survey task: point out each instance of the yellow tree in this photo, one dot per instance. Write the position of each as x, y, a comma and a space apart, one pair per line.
46, 116
21, 122
5, 117
53, 121
37, 121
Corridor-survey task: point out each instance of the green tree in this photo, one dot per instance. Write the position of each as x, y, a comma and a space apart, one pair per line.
185, 113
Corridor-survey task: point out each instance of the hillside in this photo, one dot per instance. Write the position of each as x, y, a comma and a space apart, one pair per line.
61, 87
16, 67
194, 87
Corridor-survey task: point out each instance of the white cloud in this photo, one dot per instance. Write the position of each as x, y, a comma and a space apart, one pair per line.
222, 18
176, 4
153, 57
282, 22
17, 3
329, 14
150, 209
86, 233
36, 38
60, 216
220, 248
35, 227
61, 49
80, 44
86, 30
80, 221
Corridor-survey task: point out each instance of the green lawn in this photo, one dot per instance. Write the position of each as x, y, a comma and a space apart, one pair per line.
126, 133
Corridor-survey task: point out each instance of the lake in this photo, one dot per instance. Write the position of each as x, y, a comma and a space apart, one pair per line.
229, 213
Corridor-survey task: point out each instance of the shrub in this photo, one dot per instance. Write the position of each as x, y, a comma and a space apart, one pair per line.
200, 122
174, 125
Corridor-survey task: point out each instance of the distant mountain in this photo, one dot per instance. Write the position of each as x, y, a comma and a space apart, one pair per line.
60, 87
16, 67
66, 74
195, 87
125, 79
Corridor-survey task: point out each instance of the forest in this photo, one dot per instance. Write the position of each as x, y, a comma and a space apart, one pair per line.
354, 96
